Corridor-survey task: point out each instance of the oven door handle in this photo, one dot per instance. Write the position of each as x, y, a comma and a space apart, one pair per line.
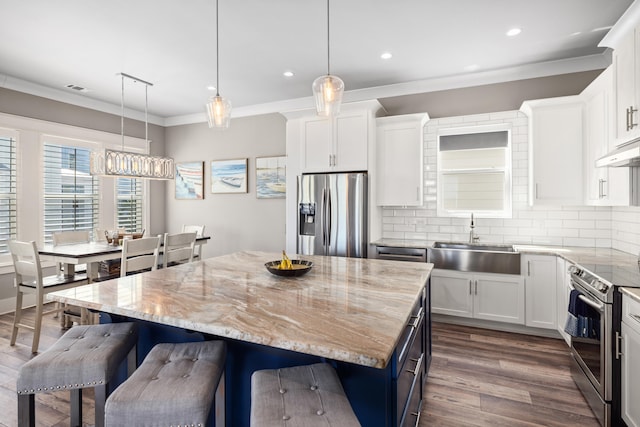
599, 307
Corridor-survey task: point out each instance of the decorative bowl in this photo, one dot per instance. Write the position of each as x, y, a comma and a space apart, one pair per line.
300, 267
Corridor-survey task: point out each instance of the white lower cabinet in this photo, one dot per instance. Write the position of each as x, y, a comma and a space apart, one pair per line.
497, 297
630, 362
540, 284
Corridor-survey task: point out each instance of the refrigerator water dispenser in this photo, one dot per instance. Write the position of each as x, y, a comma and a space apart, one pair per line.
307, 219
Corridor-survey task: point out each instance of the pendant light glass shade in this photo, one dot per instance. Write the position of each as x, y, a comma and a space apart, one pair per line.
218, 108
123, 164
218, 112
327, 91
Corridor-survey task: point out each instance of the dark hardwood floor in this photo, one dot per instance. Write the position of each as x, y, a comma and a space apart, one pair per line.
478, 377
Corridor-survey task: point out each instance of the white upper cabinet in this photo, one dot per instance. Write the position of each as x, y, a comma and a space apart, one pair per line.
624, 39
400, 159
604, 186
555, 151
335, 144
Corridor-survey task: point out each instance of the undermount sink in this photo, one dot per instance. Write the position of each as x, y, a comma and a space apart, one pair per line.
478, 257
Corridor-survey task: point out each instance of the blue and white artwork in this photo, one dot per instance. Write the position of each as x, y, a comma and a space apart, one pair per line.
189, 180
271, 175
229, 176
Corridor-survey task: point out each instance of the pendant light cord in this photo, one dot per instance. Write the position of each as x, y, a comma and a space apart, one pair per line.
328, 42
146, 107
217, 54
122, 109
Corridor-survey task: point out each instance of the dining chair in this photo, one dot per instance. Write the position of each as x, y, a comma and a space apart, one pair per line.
199, 230
139, 255
178, 248
30, 280
69, 314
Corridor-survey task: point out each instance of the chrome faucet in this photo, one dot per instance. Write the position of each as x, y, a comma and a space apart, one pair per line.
472, 234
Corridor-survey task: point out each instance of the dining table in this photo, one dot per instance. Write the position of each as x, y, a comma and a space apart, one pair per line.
89, 253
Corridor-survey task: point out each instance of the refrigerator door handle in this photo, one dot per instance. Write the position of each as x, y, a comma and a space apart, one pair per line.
328, 218
323, 225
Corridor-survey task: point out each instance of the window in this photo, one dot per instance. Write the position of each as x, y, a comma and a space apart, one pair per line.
129, 209
474, 172
7, 190
71, 194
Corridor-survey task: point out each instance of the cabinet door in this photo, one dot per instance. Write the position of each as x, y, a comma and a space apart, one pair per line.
451, 293
624, 62
499, 298
400, 164
631, 375
556, 154
540, 284
562, 297
596, 146
351, 142
316, 141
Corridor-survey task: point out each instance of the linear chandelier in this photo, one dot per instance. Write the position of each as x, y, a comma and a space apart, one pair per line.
120, 163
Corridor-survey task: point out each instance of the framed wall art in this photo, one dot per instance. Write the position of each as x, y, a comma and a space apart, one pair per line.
189, 180
271, 173
229, 176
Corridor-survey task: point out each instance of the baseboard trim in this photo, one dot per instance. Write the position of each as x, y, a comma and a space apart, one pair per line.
497, 326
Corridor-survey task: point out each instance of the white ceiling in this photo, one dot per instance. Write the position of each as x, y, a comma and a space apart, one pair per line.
46, 45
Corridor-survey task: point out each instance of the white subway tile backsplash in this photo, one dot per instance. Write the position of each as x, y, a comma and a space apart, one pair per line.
617, 227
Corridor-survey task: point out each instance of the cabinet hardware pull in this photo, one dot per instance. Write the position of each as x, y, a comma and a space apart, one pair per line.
416, 370
528, 268
416, 319
635, 317
470, 290
603, 193
476, 287
417, 415
619, 353
631, 124
417, 193
627, 111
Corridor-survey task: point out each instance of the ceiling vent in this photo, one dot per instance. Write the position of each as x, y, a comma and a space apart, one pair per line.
77, 88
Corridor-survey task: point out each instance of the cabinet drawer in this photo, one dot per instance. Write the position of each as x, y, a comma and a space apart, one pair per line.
411, 417
409, 380
631, 312
413, 328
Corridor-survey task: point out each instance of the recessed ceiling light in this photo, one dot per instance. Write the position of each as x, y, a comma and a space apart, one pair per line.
386, 55
288, 73
471, 67
514, 32
211, 88
596, 30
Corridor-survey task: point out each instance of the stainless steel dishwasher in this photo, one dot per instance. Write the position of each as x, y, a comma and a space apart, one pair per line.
401, 254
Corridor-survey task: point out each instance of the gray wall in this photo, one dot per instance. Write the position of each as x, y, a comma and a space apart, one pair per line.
234, 221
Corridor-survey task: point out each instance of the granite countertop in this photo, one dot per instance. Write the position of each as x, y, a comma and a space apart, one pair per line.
633, 293
346, 309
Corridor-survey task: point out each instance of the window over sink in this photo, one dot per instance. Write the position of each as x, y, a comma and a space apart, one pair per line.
474, 171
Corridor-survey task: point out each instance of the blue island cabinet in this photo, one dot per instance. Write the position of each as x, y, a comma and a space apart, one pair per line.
391, 396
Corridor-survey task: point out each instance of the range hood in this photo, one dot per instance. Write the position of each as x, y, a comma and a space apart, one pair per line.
626, 155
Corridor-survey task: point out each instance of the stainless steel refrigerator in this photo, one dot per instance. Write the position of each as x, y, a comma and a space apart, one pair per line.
332, 214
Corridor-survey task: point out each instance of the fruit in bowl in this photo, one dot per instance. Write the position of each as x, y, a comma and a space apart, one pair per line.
287, 267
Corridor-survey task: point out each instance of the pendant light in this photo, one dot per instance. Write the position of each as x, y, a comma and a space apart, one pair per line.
328, 89
124, 164
218, 108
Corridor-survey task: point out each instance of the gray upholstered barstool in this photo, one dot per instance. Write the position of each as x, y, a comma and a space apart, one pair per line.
85, 356
309, 396
175, 385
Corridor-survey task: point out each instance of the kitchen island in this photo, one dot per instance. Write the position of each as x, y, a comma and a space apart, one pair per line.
368, 318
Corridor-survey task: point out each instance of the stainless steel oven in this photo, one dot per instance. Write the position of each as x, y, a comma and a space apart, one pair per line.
592, 366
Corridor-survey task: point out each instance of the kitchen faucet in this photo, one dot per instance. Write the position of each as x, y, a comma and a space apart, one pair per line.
472, 235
